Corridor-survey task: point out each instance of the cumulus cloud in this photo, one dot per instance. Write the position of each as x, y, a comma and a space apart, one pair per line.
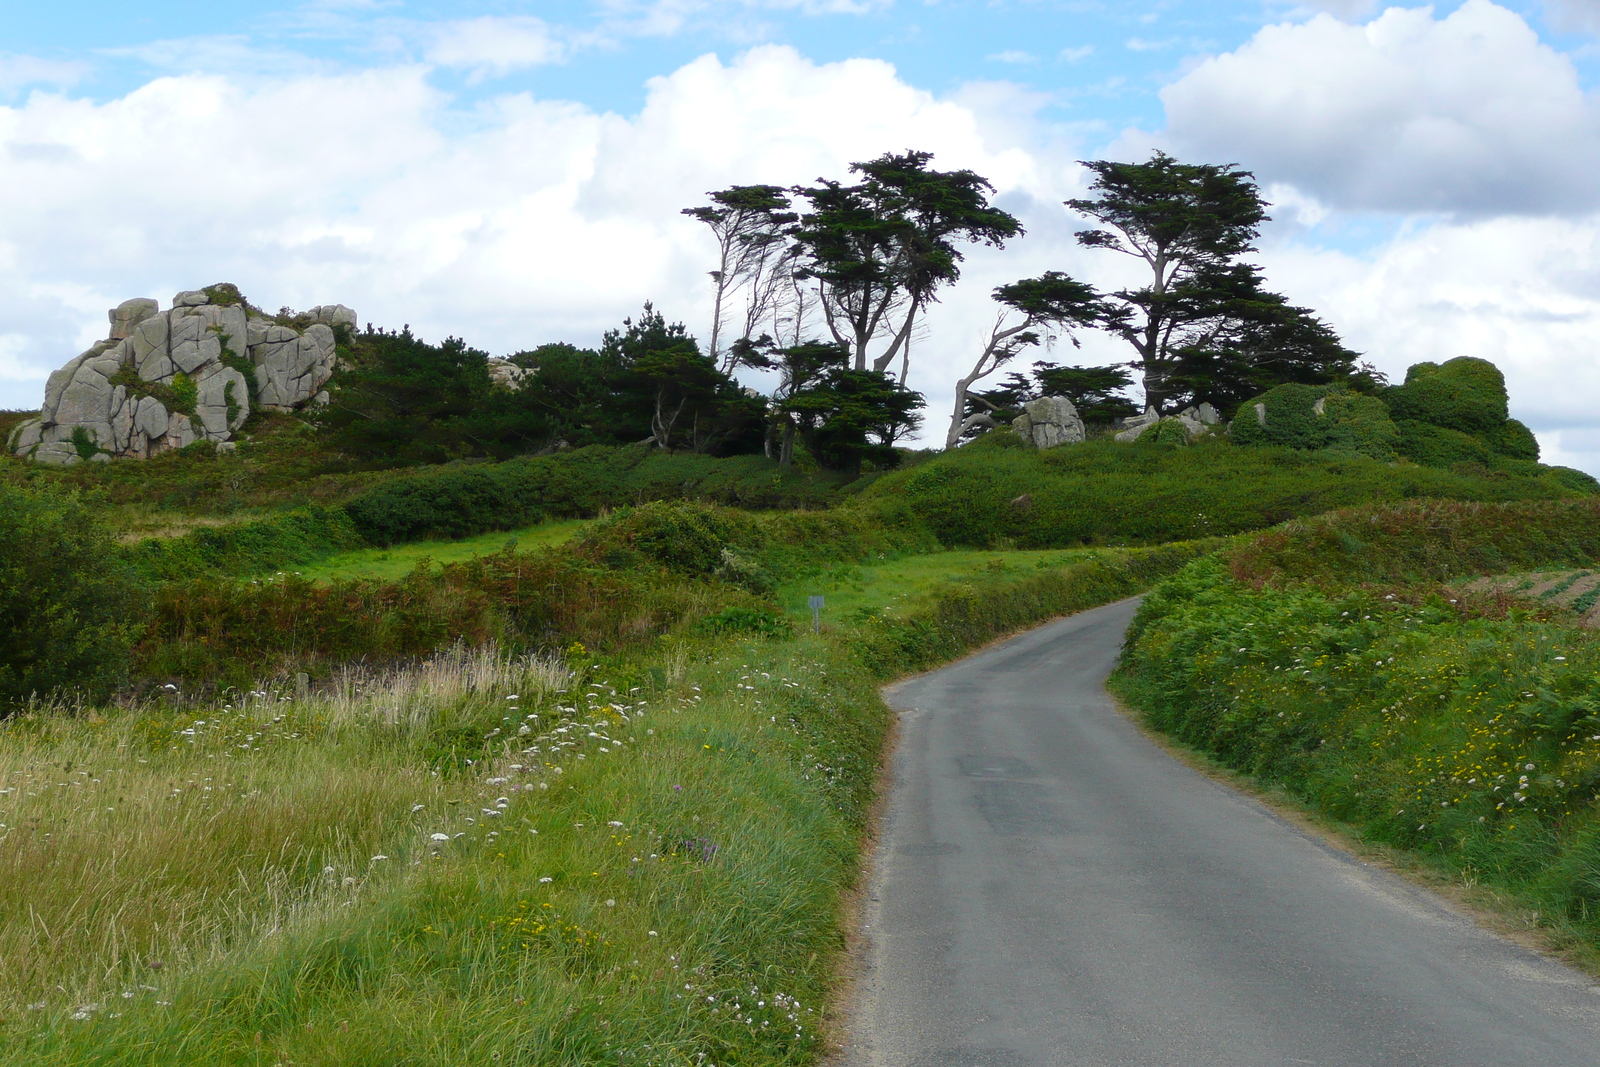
494, 45
1469, 113
1523, 293
536, 221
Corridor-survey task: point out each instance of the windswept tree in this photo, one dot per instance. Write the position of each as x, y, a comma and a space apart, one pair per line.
749, 223
877, 252
1033, 311
1189, 225
849, 417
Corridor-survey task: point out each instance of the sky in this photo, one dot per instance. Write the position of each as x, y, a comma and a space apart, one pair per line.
513, 173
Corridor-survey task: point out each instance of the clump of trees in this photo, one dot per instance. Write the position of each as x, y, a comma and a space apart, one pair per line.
825, 285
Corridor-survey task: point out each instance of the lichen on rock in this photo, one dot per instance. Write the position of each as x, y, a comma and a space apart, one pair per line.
163, 380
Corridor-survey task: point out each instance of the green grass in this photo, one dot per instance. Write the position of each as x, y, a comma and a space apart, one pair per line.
997, 492
651, 873
908, 584
389, 564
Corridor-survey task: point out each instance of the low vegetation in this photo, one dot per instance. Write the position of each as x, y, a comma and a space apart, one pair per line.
1358, 662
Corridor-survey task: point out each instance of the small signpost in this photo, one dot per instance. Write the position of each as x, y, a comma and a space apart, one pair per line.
815, 604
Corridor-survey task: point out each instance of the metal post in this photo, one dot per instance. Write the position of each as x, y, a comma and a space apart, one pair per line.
815, 603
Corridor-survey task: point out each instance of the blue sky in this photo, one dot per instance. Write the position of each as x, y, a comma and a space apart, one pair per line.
511, 172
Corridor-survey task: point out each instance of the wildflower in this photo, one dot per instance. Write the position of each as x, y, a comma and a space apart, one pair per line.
379, 857
547, 878
610, 903
440, 837
417, 807
654, 934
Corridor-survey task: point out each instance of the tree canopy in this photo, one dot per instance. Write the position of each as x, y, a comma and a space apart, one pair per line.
1202, 327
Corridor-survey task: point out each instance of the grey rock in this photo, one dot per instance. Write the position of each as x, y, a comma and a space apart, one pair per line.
334, 315
212, 408
1208, 414
151, 417
25, 436
129, 314
1134, 428
1050, 421
1261, 414
290, 367
504, 374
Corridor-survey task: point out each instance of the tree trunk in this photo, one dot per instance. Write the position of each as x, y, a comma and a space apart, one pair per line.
786, 452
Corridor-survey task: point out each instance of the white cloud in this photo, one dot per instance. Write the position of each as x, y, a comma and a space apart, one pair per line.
1014, 57
495, 45
1522, 293
667, 17
1574, 15
1073, 55
1469, 113
19, 71
535, 221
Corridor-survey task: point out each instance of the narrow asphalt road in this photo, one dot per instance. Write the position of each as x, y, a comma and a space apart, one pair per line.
1053, 888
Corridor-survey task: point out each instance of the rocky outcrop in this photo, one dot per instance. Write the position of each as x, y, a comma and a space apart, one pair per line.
163, 380
1194, 420
1048, 422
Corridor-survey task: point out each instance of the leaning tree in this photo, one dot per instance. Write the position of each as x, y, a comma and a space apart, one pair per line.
1202, 327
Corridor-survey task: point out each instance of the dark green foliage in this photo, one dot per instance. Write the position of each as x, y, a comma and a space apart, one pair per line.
1440, 446
1203, 328
69, 605
1099, 393
84, 444
1464, 394
687, 539
850, 417
729, 622
887, 244
181, 395
1101, 492
1348, 422
1515, 440
400, 400
459, 501
10, 420
247, 548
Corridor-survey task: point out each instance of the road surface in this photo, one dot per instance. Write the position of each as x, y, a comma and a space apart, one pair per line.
1052, 888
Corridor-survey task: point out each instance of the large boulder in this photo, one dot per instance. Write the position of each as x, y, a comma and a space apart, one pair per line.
163, 380
1048, 422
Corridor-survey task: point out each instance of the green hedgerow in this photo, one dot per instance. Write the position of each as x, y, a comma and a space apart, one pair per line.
69, 604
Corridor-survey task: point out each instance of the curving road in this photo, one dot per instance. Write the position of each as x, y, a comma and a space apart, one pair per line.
1052, 888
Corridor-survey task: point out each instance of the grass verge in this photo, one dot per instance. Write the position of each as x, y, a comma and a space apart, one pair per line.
635, 858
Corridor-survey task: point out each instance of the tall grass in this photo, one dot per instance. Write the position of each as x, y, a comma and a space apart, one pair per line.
631, 858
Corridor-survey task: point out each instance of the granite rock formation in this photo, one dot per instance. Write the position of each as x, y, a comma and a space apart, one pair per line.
163, 380
1048, 422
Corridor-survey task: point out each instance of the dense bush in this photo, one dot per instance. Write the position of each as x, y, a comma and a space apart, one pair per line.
459, 501
1463, 394
1101, 492
687, 539
248, 548
1317, 417
69, 605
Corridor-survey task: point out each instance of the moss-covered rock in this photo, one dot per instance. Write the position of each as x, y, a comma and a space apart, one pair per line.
1464, 393
1317, 417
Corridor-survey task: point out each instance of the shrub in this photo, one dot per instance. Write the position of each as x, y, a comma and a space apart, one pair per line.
1100, 492
686, 538
248, 548
1515, 440
763, 622
69, 605
1317, 417
1464, 394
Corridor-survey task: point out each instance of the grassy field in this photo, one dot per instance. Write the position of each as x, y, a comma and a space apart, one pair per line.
568, 859
854, 591
389, 564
